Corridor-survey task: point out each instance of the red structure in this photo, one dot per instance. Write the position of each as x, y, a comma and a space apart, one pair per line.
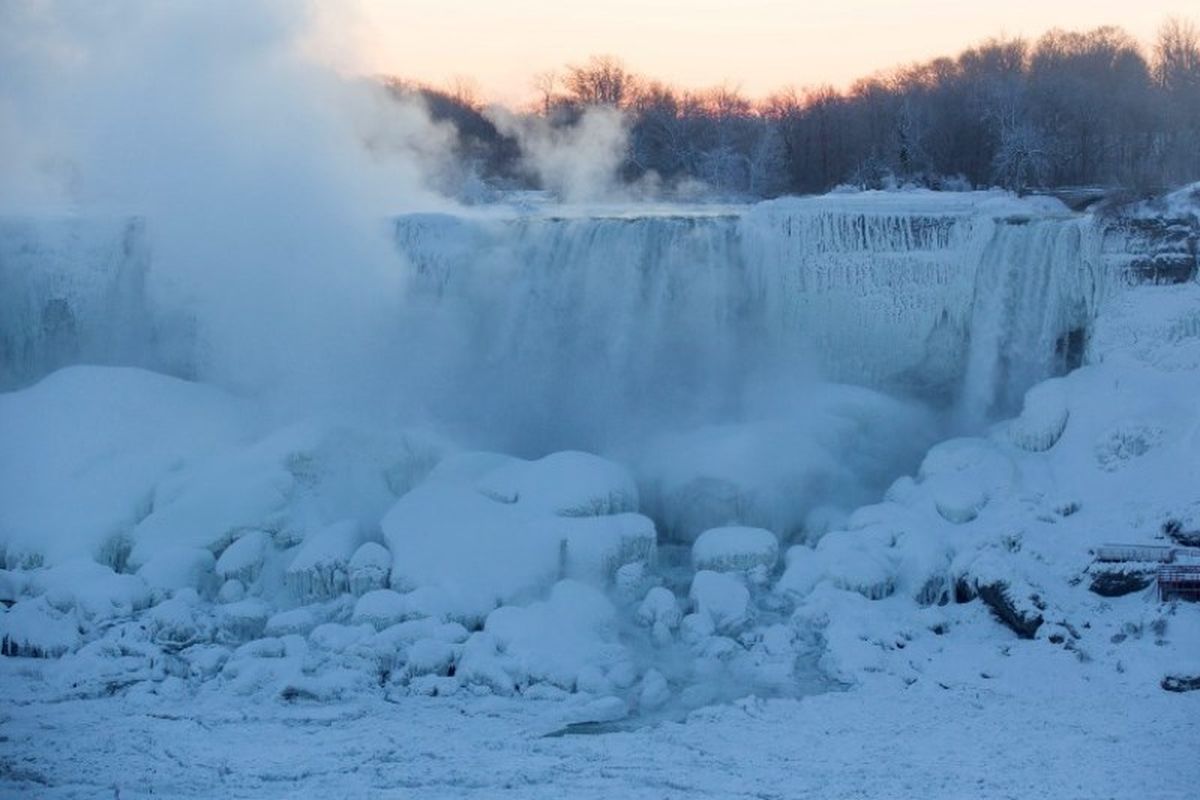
1179, 582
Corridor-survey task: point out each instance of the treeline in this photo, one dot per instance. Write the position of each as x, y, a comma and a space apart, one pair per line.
1070, 109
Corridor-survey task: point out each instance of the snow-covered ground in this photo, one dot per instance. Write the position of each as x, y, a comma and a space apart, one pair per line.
206, 597
1036, 728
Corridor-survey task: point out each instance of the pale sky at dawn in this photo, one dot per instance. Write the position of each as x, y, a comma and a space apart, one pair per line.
760, 45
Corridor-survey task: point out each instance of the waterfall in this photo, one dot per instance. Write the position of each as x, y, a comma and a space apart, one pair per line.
695, 315
1035, 293
558, 322
71, 291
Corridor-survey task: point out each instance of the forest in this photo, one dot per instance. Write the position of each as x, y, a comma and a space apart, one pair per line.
1071, 109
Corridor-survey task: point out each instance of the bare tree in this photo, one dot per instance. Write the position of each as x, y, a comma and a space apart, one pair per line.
603, 80
1177, 56
545, 83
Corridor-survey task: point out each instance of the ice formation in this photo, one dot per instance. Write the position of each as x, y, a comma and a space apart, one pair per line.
686, 395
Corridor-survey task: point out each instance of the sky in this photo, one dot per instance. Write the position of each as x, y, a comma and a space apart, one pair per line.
757, 45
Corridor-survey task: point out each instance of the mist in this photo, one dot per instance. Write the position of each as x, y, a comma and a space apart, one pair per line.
270, 184
266, 211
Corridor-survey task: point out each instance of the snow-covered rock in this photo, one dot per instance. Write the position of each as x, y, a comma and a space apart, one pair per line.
850, 560
722, 598
964, 475
320, 570
180, 621
484, 552
96, 592
369, 568
735, 549
595, 547
659, 607
35, 628
243, 559
381, 608
295, 621
428, 657
655, 691
242, 620
179, 568
231, 591
1043, 417
553, 640
568, 484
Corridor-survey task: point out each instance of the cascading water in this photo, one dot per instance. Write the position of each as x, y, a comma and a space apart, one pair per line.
1036, 289
71, 291
553, 328
691, 317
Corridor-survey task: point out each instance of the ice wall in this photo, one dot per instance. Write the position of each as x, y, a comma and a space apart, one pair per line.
72, 291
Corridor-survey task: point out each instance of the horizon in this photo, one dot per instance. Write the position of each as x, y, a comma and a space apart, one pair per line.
766, 46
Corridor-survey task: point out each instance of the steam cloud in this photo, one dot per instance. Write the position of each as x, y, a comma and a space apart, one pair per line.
214, 121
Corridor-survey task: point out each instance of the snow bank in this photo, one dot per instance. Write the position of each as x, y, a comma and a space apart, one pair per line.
84, 449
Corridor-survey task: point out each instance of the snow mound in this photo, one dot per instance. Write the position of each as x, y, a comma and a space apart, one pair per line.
320, 569
381, 608
455, 538
559, 639
659, 607
568, 484
962, 476
37, 629
1043, 418
721, 598
84, 449
243, 559
850, 560
94, 591
180, 568
369, 568
484, 551
596, 547
735, 549
296, 479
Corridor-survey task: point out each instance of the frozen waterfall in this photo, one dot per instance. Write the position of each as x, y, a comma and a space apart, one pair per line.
710, 312
560, 316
